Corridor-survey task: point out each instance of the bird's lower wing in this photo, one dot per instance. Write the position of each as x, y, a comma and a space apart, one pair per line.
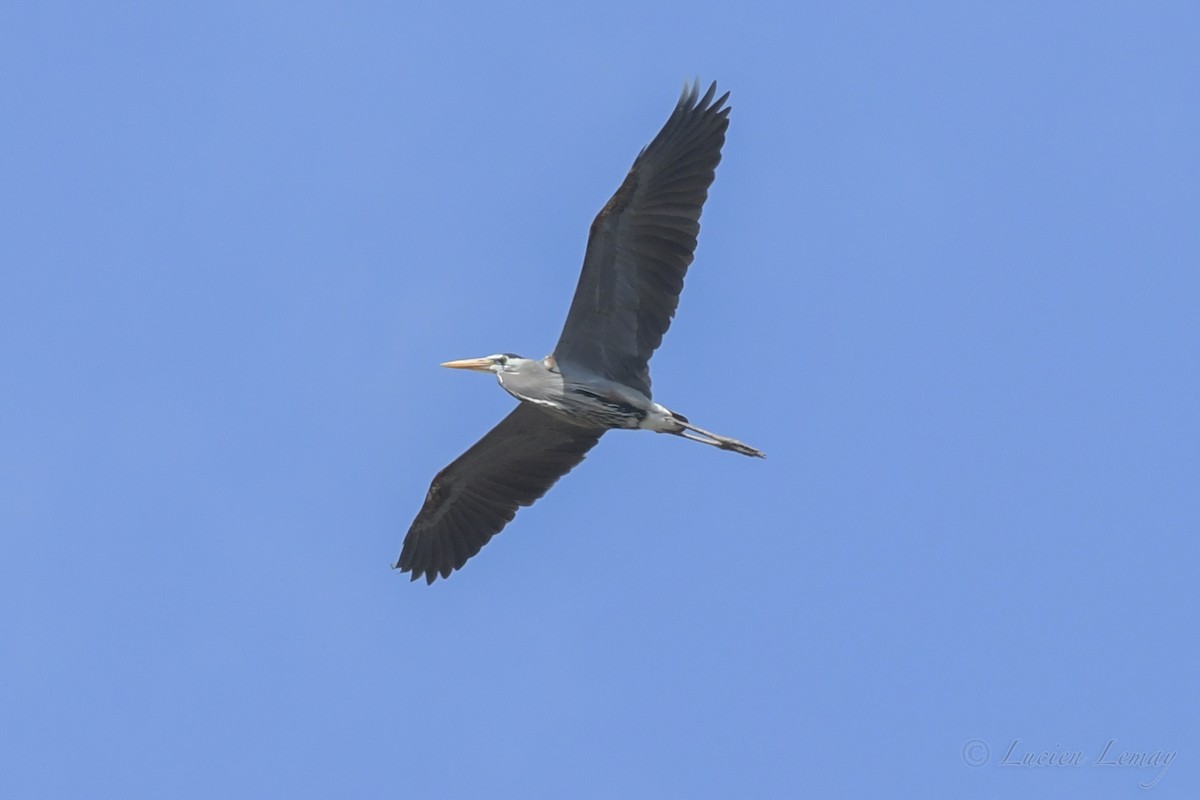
472, 499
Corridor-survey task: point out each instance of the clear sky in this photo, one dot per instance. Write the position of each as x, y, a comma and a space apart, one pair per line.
948, 280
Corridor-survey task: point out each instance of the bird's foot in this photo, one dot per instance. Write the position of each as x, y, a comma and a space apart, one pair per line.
739, 447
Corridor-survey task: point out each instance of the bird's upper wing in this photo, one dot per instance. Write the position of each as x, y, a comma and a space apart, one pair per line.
641, 244
471, 500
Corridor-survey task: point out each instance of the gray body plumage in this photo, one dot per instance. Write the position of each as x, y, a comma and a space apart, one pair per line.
583, 397
598, 378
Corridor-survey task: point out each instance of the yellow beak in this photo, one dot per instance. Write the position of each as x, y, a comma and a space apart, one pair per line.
477, 364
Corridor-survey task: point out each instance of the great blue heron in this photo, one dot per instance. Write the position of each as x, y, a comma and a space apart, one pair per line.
597, 378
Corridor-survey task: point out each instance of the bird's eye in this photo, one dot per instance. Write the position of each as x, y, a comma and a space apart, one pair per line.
503, 360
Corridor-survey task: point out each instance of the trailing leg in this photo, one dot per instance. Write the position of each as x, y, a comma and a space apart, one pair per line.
690, 431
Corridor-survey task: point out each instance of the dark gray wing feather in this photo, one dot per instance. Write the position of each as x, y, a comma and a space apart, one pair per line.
641, 245
472, 500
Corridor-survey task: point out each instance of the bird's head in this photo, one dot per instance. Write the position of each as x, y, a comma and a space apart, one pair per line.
498, 363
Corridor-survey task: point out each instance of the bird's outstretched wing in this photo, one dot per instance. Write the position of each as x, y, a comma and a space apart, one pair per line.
471, 500
641, 245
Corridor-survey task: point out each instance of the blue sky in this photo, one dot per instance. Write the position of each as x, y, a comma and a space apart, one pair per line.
947, 280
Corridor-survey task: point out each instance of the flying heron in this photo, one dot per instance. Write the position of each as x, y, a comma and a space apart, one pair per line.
597, 378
